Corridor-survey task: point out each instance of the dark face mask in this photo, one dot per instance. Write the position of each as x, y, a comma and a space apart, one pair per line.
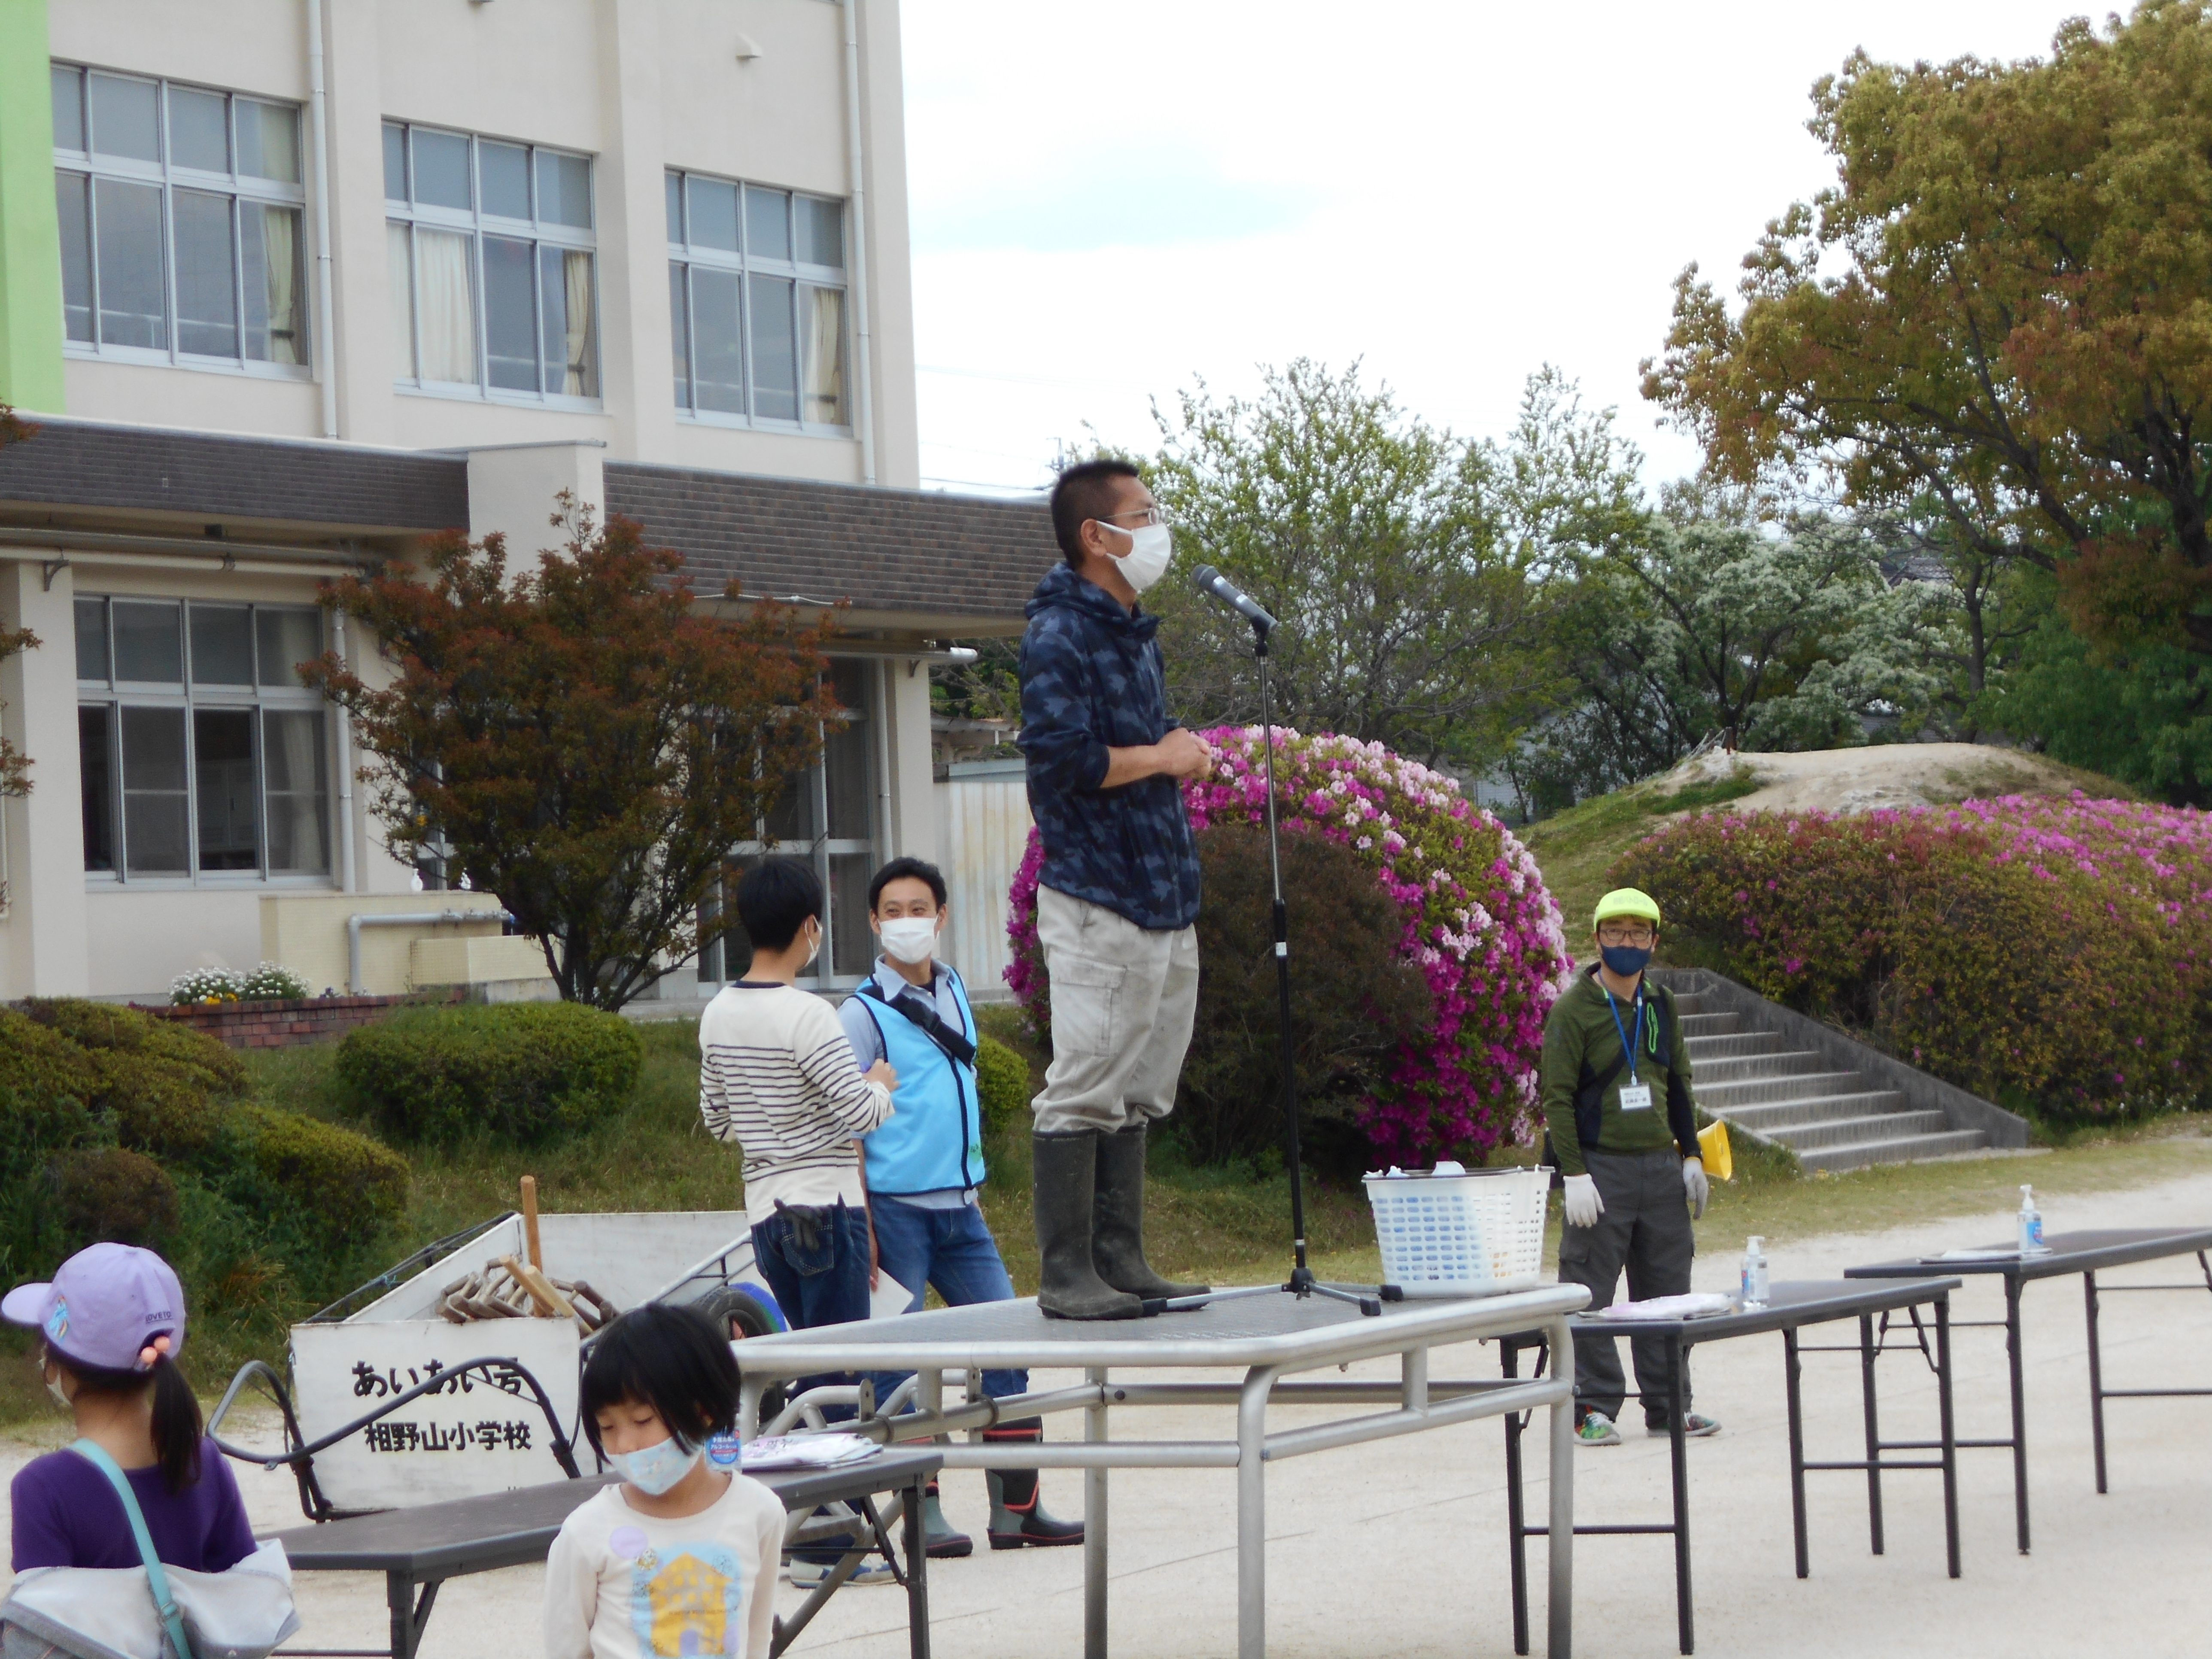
1626, 960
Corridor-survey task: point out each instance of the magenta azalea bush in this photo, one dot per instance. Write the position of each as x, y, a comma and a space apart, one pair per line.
2047, 953
1479, 921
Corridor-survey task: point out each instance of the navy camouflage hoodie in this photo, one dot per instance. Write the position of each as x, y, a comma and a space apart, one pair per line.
1092, 680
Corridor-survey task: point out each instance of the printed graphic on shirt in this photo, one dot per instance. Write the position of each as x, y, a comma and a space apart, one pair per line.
685, 1602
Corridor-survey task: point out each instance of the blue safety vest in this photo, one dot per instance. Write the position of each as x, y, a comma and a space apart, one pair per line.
934, 1139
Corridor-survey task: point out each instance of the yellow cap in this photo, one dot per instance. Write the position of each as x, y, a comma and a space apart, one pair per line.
1626, 902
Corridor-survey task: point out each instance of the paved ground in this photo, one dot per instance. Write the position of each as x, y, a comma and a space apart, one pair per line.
1400, 1549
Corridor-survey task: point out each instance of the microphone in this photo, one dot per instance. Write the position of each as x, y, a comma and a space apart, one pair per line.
1211, 582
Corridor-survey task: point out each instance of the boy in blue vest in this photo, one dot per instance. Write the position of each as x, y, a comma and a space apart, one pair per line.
924, 1165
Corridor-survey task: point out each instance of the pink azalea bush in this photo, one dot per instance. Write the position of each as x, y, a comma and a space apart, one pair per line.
2046, 953
1478, 921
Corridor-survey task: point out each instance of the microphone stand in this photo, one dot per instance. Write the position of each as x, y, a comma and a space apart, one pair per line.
1302, 1284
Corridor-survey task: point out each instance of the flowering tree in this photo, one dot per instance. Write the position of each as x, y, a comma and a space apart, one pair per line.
1477, 922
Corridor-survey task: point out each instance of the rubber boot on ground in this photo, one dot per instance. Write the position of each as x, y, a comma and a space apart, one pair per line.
1068, 1285
941, 1538
1017, 1516
1117, 1230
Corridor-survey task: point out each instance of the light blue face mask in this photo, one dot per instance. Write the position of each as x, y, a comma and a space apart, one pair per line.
656, 1469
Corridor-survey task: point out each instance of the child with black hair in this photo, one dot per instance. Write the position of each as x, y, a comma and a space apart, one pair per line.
112, 1322
681, 1557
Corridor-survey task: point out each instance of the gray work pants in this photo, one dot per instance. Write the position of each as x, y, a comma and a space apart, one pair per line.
1122, 1001
1646, 1229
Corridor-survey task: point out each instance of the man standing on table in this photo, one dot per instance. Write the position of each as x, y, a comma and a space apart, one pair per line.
923, 1168
1119, 892
1623, 1133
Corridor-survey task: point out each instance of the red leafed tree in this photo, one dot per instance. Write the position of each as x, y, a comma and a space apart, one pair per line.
580, 739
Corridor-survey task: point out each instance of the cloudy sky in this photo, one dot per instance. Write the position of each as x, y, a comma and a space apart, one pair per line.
1112, 202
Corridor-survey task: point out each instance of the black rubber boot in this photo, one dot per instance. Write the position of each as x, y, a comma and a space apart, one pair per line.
1017, 1516
1117, 1230
1065, 1177
943, 1539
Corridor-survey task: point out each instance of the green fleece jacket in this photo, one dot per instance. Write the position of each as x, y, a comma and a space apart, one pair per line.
1581, 1042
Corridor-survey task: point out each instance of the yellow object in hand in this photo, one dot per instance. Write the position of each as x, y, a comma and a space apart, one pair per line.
1713, 1144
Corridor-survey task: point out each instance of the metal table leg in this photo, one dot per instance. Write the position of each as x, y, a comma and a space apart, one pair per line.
410, 1612
2012, 1284
2096, 1378
1949, 1429
1516, 1513
1791, 1371
1252, 1513
1559, 1607
1675, 1365
1094, 1526
917, 1569
1866, 1351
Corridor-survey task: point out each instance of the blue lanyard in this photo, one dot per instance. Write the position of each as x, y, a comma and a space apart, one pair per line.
1626, 1046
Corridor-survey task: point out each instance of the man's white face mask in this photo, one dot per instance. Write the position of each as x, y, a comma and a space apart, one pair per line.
912, 939
1151, 546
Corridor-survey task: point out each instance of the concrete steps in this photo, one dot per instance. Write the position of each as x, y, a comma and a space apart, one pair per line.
1751, 1079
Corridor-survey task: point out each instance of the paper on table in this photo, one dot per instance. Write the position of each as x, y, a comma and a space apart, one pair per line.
2001, 1252
890, 1298
804, 1451
1698, 1304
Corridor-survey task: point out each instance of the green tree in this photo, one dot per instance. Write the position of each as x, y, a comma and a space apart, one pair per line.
585, 743
1375, 537
2000, 316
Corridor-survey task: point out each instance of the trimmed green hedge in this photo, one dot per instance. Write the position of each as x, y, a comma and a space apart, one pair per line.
1002, 1084
523, 1071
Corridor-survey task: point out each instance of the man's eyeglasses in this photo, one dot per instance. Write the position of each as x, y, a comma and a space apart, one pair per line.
1144, 516
1616, 934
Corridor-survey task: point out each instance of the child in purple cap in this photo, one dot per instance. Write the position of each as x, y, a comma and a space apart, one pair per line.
112, 1321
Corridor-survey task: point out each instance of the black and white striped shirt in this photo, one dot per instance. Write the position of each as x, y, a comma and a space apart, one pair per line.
776, 1075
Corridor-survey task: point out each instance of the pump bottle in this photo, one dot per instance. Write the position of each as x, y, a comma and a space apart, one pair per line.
2030, 1222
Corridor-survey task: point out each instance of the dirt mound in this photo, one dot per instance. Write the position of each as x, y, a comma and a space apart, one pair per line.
1883, 774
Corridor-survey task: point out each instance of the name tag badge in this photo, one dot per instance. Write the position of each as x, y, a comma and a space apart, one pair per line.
1635, 1096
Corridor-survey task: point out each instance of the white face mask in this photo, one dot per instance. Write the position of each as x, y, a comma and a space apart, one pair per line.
1151, 546
912, 939
54, 1386
813, 950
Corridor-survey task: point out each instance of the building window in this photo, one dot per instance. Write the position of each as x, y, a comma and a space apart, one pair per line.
828, 817
181, 210
494, 289
202, 756
756, 303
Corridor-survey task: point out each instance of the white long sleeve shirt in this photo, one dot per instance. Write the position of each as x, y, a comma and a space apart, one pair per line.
620, 1584
777, 1075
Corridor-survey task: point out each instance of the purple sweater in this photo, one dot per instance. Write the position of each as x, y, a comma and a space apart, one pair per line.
68, 1516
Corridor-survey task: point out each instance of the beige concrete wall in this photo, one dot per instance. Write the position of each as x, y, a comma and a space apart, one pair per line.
454, 956
641, 85
42, 932
513, 492
307, 934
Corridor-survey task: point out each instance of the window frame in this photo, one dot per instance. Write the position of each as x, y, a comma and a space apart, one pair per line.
684, 256
475, 223
822, 848
168, 176
188, 695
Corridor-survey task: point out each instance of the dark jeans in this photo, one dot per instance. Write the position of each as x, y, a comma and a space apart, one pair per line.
953, 1250
1646, 1229
823, 1282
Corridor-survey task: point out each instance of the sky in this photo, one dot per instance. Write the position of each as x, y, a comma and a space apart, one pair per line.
1113, 202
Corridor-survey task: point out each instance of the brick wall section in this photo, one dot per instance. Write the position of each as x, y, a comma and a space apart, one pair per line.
287, 1024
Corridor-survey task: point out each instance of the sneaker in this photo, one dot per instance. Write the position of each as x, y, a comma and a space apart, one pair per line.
1694, 1427
809, 1575
1596, 1429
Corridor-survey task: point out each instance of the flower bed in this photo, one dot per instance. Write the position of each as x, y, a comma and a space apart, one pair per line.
2045, 953
1478, 921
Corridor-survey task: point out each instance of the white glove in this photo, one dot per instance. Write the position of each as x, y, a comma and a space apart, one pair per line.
1695, 1186
1583, 1205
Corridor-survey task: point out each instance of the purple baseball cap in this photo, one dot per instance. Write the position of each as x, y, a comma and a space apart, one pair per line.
106, 1305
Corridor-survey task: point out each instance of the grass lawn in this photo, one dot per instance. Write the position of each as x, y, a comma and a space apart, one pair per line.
1576, 847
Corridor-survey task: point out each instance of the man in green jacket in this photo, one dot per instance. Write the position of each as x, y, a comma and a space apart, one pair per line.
1623, 1132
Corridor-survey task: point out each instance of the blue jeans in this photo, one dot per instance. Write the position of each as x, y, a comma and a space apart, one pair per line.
953, 1250
824, 1283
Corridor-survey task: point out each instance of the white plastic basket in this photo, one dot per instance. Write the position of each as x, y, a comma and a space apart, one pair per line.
1476, 1233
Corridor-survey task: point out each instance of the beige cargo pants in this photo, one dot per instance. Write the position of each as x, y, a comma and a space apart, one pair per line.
1122, 1001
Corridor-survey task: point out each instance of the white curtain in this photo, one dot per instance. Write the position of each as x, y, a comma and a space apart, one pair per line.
402, 301
825, 356
576, 291
299, 840
446, 305
280, 230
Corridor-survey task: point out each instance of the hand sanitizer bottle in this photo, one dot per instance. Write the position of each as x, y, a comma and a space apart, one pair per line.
1754, 1273
2030, 1222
